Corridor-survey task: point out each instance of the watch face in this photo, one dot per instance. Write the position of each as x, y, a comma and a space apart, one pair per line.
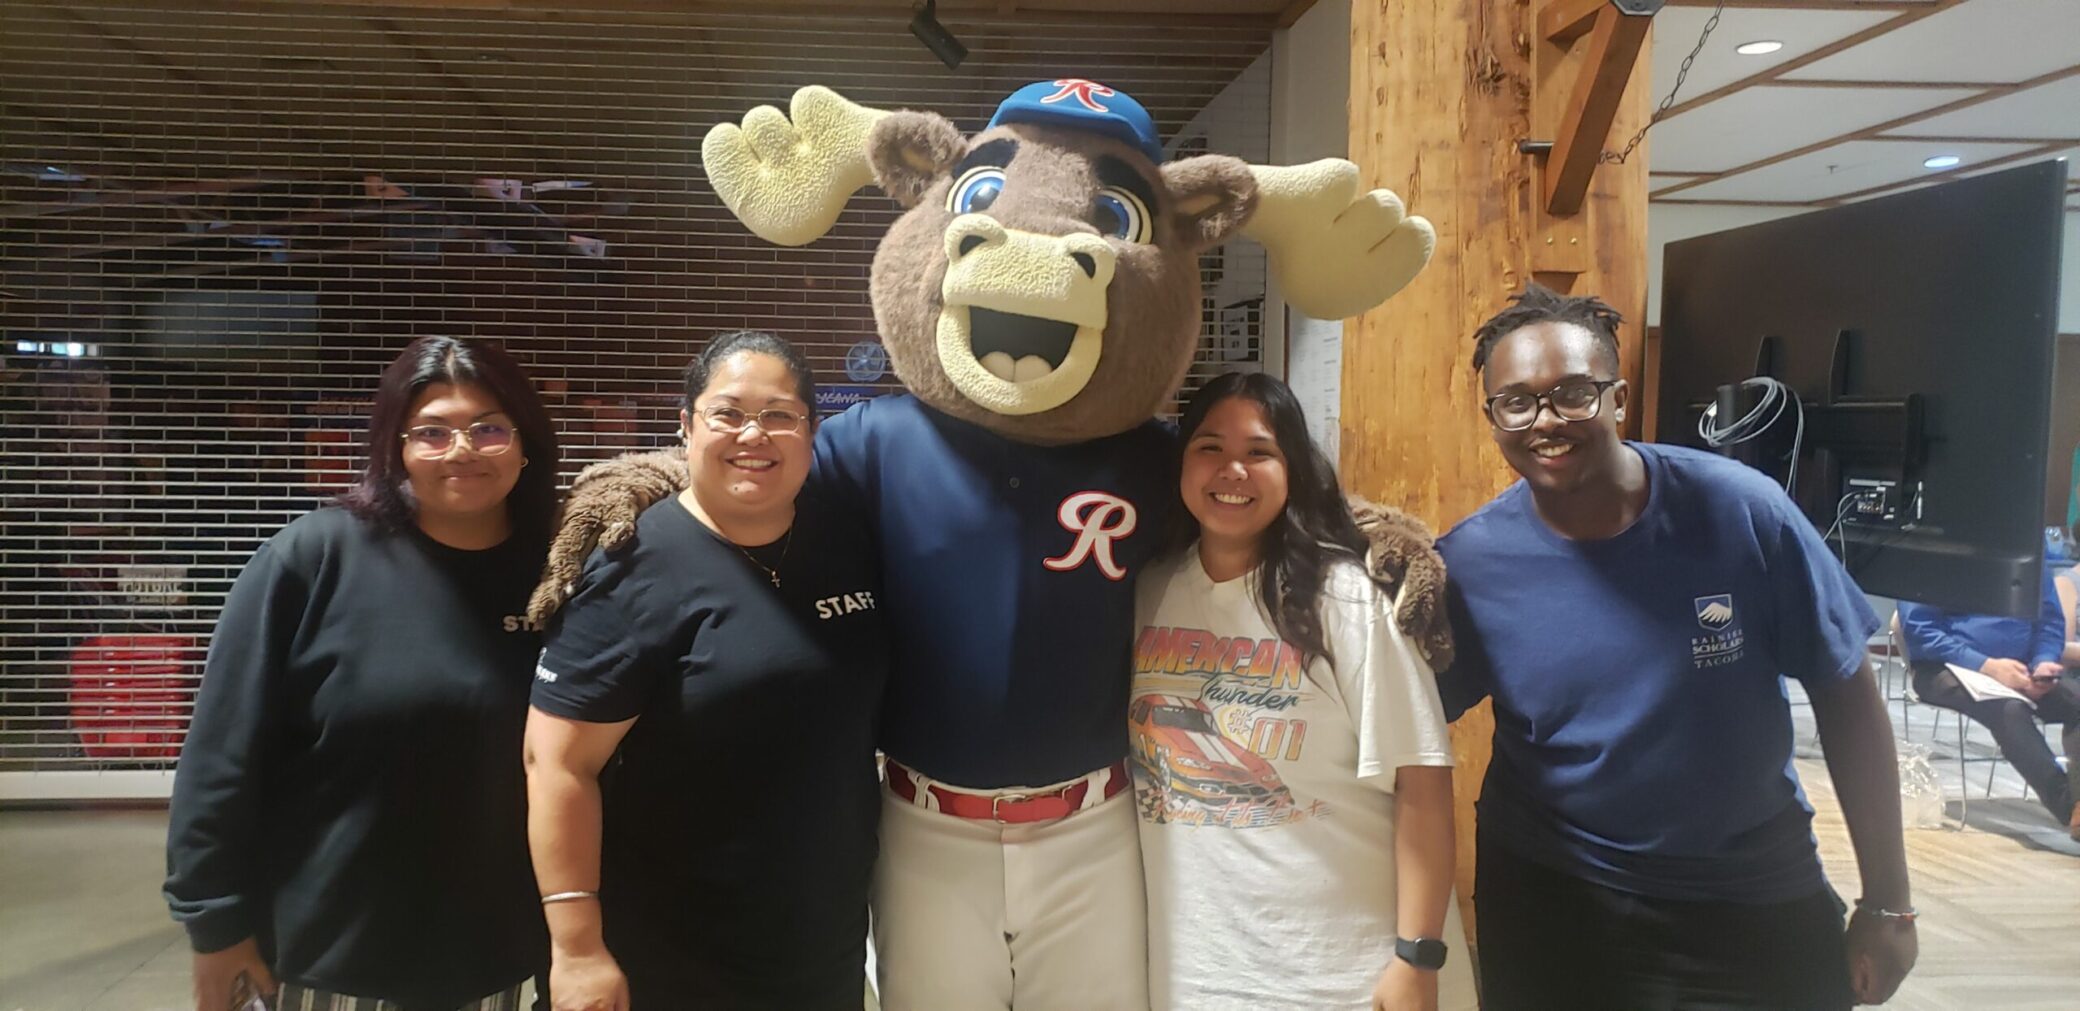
1425, 953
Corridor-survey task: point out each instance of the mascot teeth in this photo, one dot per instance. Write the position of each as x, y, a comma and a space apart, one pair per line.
1001, 365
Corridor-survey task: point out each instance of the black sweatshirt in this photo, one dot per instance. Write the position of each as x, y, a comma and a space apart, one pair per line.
351, 791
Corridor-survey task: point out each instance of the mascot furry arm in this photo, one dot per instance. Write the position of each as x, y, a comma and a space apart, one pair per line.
982, 232
607, 497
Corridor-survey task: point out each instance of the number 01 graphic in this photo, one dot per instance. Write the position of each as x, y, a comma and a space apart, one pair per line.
1268, 732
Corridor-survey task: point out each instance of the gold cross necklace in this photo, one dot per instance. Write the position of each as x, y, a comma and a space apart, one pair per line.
772, 572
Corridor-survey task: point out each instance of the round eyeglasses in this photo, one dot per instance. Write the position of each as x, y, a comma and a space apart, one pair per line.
1574, 400
732, 420
431, 442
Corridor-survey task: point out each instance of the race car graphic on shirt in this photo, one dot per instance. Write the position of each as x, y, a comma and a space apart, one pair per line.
1205, 739
1193, 773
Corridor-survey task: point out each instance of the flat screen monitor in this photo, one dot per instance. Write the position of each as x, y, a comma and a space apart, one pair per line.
1917, 332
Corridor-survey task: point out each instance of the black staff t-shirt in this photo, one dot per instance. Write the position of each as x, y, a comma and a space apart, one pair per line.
741, 810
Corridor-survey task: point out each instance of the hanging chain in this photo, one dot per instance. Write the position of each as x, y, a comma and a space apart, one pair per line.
1681, 73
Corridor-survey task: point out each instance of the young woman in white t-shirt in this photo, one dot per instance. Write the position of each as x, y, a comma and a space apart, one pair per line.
1291, 765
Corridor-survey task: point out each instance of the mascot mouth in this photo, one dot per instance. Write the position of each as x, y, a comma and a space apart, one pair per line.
1018, 348
1015, 363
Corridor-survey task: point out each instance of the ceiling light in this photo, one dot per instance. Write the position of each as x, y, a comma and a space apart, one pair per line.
1759, 47
1943, 161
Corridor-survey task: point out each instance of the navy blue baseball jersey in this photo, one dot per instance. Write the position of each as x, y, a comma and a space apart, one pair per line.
1008, 585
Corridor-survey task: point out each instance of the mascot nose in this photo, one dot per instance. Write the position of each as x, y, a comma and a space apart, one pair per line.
971, 232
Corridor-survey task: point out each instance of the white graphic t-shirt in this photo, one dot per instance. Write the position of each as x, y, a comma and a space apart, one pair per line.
1265, 793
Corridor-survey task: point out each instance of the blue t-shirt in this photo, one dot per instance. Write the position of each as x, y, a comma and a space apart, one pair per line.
1643, 737
1938, 636
1008, 584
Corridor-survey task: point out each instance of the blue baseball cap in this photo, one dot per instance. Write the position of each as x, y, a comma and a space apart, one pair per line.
1077, 104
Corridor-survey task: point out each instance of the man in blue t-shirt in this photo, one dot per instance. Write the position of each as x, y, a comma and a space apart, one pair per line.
1633, 609
2026, 656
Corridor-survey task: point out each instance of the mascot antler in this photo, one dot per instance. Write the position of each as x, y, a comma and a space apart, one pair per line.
1335, 251
788, 177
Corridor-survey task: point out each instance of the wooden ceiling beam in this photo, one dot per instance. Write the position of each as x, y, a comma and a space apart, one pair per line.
1904, 18
1789, 82
1264, 15
1875, 132
1954, 139
1294, 12
2019, 156
1810, 5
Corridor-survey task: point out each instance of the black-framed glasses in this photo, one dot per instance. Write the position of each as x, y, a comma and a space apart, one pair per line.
732, 420
1573, 400
485, 438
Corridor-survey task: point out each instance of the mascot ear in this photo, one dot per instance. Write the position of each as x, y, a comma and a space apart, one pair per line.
910, 150
1210, 198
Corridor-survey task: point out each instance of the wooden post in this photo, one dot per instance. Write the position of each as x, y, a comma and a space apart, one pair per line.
1441, 92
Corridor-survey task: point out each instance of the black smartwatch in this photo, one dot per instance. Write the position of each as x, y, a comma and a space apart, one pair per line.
1423, 952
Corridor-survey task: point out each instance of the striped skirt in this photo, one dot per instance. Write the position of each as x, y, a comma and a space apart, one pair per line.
292, 997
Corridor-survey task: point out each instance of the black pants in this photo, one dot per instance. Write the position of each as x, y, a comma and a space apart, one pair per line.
1552, 942
2014, 726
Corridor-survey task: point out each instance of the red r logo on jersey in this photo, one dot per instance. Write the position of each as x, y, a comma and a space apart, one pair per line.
1097, 519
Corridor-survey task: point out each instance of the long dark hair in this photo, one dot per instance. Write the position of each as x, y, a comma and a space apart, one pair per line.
1314, 531
383, 496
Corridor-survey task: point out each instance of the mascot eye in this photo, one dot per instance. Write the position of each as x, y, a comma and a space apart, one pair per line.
975, 190
1120, 215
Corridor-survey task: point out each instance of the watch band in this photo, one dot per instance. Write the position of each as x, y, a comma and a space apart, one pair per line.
1422, 952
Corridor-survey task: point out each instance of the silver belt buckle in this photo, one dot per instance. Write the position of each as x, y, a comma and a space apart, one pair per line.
1001, 798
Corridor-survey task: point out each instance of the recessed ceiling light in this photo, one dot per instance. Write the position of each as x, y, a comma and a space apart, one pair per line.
1943, 161
1759, 47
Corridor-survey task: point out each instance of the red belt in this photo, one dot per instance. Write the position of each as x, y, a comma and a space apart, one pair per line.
1009, 808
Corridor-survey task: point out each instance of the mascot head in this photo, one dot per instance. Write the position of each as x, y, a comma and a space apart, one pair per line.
1043, 281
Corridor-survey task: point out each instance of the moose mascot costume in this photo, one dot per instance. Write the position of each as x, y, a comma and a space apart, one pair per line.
1039, 299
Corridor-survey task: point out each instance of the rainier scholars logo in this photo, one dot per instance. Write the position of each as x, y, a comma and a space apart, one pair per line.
1715, 613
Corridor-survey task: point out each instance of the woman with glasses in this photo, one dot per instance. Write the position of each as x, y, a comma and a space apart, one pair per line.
348, 811
1291, 765
701, 751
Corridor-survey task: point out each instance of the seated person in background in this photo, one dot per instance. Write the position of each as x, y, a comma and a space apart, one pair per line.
2024, 655
2068, 584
